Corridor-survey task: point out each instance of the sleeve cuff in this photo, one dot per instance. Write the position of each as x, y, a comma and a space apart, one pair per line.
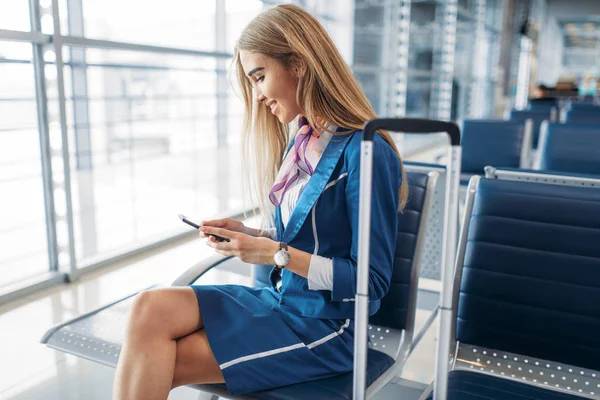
344, 280
320, 273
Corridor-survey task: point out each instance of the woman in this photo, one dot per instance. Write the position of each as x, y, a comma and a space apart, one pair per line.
301, 328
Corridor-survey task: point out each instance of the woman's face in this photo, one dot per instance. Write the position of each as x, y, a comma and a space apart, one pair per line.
274, 85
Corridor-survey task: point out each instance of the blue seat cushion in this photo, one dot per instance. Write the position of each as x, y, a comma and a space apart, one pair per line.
467, 385
338, 387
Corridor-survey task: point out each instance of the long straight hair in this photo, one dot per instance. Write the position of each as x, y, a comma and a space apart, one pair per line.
327, 92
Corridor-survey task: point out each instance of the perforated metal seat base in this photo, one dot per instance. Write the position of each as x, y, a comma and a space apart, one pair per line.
431, 262
541, 373
96, 336
384, 339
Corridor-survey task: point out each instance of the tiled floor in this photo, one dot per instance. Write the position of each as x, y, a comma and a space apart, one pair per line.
30, 370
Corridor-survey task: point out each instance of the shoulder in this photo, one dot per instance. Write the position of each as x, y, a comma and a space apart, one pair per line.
382, 151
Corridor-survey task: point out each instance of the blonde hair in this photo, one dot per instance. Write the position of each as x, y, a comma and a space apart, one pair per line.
327, 92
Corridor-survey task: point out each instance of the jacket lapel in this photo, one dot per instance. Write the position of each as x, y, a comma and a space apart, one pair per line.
314, 188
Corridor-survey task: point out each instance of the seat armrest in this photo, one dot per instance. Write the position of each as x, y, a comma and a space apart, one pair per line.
196, 271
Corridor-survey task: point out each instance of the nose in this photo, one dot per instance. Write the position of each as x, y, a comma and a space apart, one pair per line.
259, 96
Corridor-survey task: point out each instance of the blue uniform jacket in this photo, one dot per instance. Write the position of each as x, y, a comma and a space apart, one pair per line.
325, 222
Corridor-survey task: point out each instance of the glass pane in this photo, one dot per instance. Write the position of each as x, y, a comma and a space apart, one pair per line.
182, 24
15, 16
463, 67
418, 92
422, 30
143, 149
47, 20
370, 83
493, 14
22, 219
239, 13
337, 17
235, 110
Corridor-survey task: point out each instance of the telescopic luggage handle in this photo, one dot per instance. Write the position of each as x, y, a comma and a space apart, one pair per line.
412, 125
361, 315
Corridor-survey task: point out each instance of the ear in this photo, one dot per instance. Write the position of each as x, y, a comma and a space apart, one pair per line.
299, 66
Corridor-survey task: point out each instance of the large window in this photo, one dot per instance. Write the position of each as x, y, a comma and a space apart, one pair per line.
143, 130
22, 219
150, 118
188, 24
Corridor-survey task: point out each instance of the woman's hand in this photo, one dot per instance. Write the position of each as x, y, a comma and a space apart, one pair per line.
227, 223
252, 250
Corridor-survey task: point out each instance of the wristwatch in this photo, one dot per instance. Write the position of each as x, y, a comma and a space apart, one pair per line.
282, 257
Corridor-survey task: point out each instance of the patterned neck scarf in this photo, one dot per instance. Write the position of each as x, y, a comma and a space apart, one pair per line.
304, 155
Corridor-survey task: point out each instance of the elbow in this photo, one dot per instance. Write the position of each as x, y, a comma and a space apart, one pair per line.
378, 286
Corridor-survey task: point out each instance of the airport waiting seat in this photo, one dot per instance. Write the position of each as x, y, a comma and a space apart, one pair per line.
570, 148
573, 117
494, 142
543, 104
537, 117
580, 107
98, 335
526, 292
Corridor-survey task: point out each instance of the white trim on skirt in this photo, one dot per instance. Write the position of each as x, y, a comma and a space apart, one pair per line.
285, 349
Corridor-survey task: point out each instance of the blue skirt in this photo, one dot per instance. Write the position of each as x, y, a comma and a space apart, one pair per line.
260, 346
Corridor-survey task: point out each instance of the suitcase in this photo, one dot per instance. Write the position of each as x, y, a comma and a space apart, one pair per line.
410, 126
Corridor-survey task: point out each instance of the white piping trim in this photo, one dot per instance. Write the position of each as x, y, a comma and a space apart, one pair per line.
287, 348
314, 226
330, 184
261, 355
329, 337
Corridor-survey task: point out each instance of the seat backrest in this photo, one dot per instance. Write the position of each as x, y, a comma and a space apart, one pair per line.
584, 107
530, 278
571, 148
395, 306
536, 116
491, 142
542, 104
582, 117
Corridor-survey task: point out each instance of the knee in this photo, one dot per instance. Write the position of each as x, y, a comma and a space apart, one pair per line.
146, 312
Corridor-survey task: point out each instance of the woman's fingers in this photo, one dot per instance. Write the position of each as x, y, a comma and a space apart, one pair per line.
219, 223
224, 233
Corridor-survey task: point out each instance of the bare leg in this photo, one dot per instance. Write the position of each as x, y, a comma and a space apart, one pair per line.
195, 362
147, 361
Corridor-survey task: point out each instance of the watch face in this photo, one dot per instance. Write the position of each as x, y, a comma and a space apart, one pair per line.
282, 258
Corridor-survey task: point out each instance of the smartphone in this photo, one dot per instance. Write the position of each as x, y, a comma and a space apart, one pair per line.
195, 225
